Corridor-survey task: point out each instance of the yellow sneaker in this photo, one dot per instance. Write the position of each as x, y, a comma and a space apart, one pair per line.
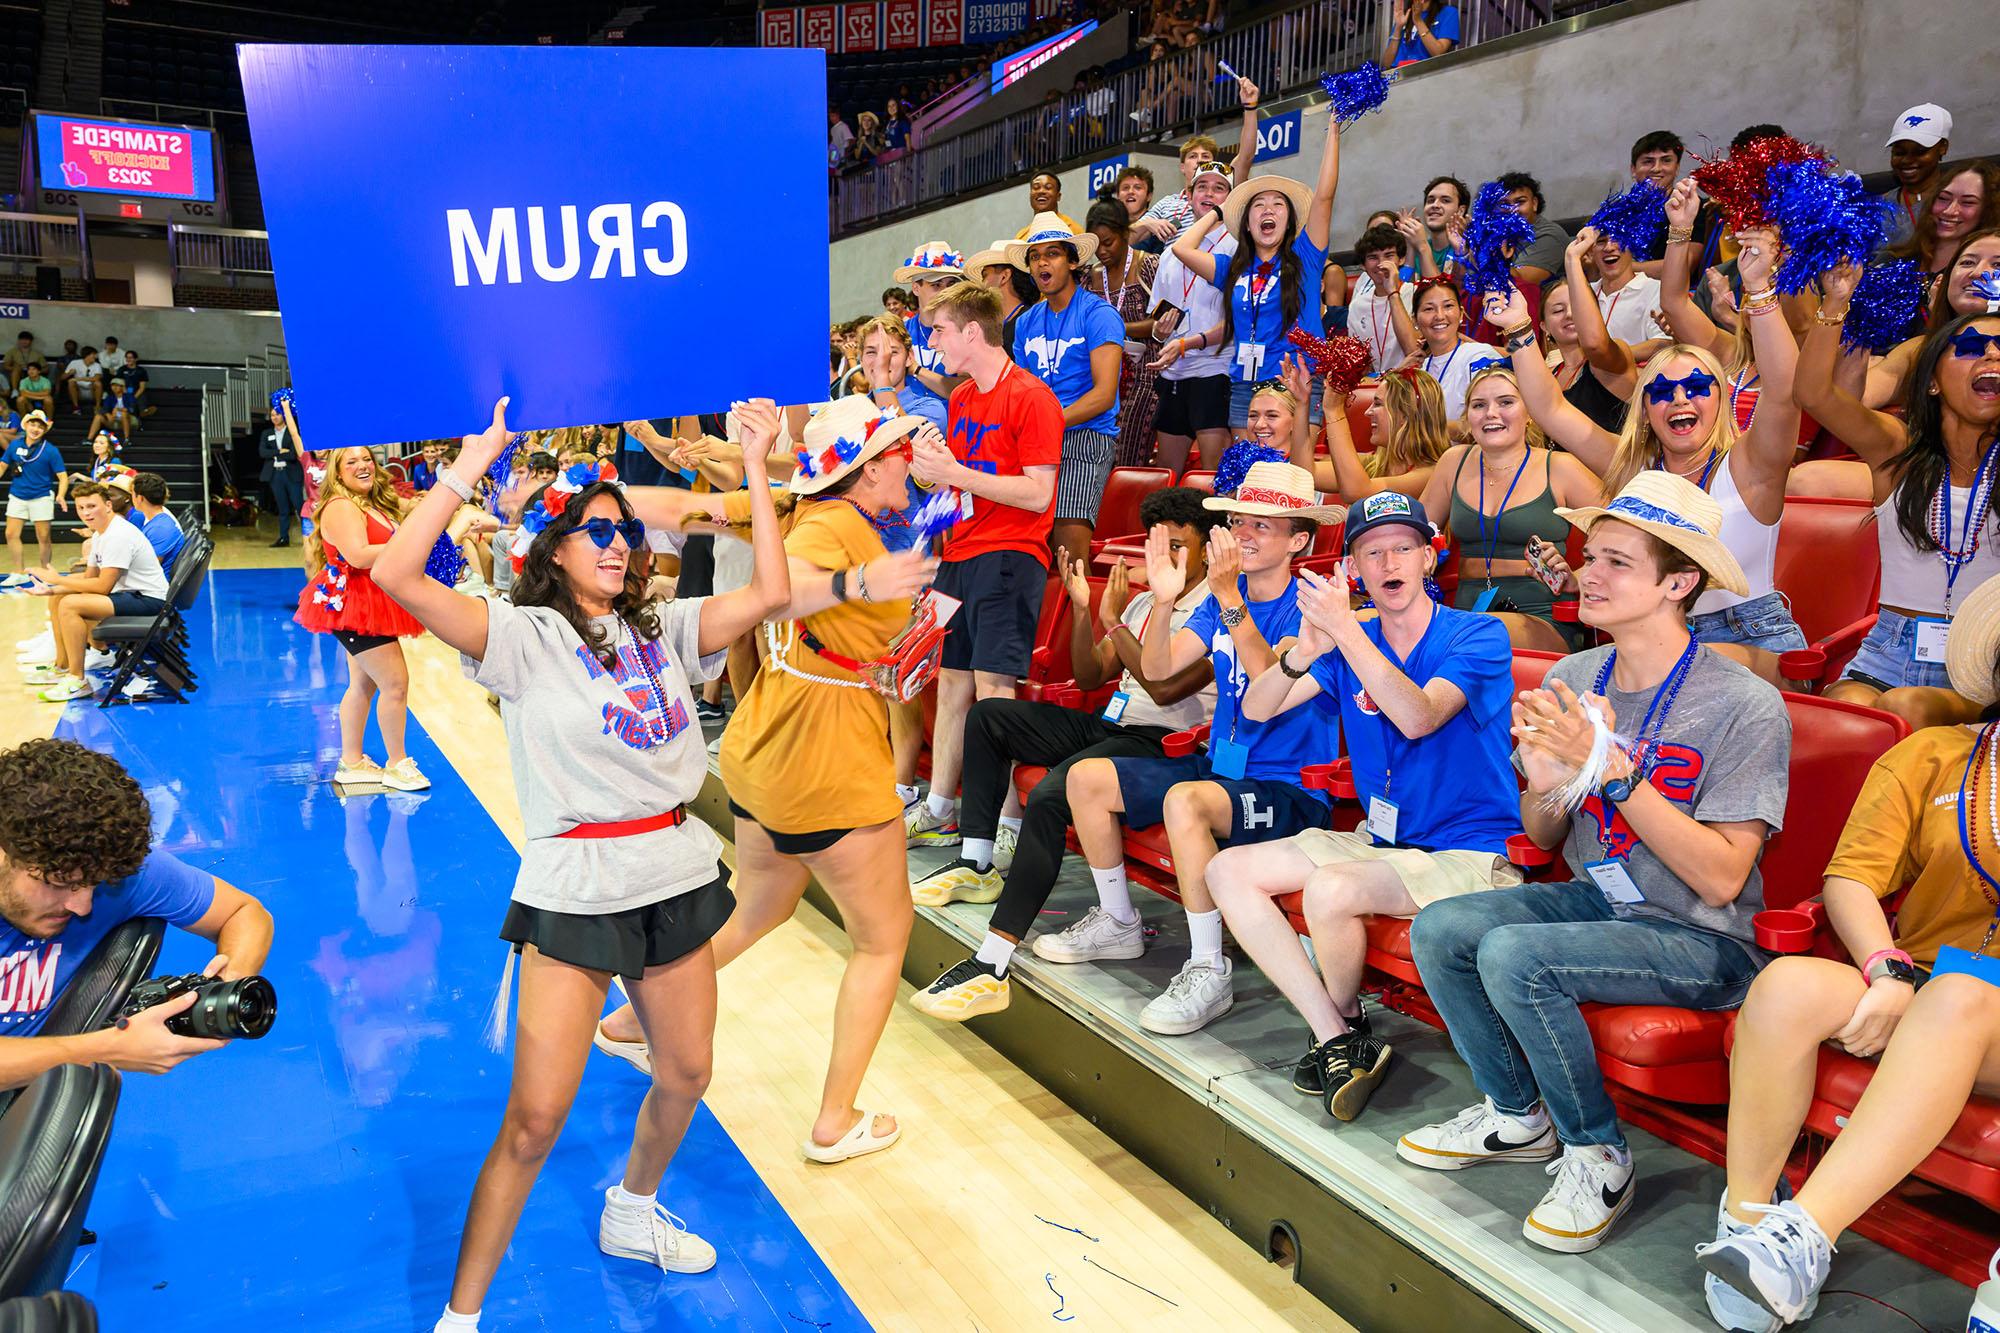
966, 990
957, 884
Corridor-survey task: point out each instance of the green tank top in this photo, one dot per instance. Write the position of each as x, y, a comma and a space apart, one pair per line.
1516, 524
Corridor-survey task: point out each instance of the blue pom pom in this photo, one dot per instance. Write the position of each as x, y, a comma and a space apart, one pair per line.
1884, 302
1825, 219
1236, 461
1636, 219
1493, 234
1357, 92
503, 466
445, 561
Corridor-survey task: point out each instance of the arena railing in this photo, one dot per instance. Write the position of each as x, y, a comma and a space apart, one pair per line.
39, 239
224, 250
1282, 52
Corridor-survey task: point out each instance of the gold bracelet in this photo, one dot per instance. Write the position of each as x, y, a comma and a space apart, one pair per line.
1831, 321
1507, 335
1679, 235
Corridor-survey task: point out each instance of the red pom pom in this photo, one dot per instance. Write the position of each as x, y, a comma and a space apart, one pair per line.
607, 473
1738, 184
1342, 361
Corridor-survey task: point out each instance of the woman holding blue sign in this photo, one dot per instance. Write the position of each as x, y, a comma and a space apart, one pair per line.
593, 679
1911, 994
1272, 281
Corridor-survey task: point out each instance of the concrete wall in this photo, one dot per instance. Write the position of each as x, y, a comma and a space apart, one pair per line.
1567, 108
139, 260
221, 336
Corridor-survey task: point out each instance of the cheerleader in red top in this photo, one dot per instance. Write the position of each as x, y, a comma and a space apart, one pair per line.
356, 514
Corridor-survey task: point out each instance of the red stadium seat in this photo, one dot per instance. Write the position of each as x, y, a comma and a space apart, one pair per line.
1830, 569
1118, 511
1201, 481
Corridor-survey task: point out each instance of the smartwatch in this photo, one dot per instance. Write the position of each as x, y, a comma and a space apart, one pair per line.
1890, 963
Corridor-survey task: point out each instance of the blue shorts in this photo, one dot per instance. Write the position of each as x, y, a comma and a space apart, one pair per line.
1260, 809
1762, 622
135, 604
994, 631
1885, 659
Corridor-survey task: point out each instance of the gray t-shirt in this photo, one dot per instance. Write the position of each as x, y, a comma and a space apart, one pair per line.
1546, 250
590, 746
1724, 757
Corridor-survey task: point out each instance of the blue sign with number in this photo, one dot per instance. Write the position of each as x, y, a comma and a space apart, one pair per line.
13, 309
483, 208
992, 20
1279, 137
1104, 174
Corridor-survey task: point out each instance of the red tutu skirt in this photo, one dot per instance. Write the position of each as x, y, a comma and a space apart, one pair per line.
341, 597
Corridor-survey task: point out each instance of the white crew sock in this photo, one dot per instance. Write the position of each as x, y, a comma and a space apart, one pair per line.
622, 1198
1205, 938
453, 1319
1011, 821
907, 795
996, 953
944, 807
1534, 1118
1112, 894
979, 851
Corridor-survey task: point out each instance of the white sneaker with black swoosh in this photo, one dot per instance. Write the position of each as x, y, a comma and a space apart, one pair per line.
1592, 1190
1478, 1134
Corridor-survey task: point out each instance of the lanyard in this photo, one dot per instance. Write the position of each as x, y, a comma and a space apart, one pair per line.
1208, 244
1492, 546
1378, 333
1648, 736
1981, 758
1956, 560
1706, 468
1449, 358
1612, 309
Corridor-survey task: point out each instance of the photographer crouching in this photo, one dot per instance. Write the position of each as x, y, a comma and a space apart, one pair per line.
75, 863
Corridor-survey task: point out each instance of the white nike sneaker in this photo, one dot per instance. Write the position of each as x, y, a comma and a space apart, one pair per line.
925, 827
652, 1235
1005, 840
1592, 1190
1479, 1133
1196, 997
1096, 934
45, 642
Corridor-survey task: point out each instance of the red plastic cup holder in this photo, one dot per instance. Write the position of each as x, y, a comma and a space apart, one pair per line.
1523, 852
1567, 612
1802, 664
1783, 930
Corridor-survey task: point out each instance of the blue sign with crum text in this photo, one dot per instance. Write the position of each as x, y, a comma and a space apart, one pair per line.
516, 220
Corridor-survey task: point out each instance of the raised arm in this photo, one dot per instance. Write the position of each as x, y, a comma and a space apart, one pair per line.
1603, 351
398, 564
1167, 651
1275, 689
1690, 324
1772, 441
1415, 710
1342, 472
1202, 263
726, 617
1560, 420
1319, 215
1875, 436
1246, 139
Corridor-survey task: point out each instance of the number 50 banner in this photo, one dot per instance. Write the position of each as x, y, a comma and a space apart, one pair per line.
601, 233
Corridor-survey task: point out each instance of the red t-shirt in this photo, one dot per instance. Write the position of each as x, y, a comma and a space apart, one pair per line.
1017, 426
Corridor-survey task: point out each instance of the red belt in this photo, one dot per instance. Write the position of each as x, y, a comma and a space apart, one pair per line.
626, 828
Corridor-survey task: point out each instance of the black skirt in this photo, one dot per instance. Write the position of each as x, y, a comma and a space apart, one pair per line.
626, 942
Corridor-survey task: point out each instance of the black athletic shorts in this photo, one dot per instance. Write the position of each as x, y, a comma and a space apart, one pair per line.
630, 941
1190, 406
794, 844
357, 644
994, 630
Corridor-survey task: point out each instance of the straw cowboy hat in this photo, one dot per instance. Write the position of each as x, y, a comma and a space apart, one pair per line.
997, 253
1974, 641
1045, 228
843, 435
1679, 513
1239, 199
1276, 490
933, 259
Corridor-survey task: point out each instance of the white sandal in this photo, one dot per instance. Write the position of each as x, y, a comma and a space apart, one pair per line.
856, 1142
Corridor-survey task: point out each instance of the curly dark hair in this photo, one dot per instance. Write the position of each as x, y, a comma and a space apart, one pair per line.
1180, 505
541, 583
70, 815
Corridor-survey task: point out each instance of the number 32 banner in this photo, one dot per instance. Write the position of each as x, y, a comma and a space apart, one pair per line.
601, 234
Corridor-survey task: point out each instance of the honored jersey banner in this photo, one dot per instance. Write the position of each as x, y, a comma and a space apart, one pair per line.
898, 25
482, 210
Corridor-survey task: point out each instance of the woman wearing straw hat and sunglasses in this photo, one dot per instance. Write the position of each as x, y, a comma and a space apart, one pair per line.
593, 681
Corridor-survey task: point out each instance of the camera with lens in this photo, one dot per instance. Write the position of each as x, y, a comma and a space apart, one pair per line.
223, 1010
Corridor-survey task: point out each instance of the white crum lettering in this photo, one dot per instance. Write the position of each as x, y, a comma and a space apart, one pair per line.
28, 981
495, 250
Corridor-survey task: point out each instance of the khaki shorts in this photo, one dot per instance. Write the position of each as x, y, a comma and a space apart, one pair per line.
34, 511
1427, 877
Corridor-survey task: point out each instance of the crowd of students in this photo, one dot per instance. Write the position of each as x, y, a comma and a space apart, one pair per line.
961, 461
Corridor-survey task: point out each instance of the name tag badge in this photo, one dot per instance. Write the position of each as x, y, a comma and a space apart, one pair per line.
1227, 758
1382, 814
1250, 356
1614, 882
965, 504
1931, 635
1114, 707
1951, 959
1485, 599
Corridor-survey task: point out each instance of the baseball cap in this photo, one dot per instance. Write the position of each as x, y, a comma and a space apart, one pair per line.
1382, 509
1925, 125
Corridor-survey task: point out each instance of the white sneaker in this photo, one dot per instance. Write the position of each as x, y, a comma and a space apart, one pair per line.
1196, 997
43, 642
1005, 840
1096, 934
69, 687
42, 654
634, 1053
652, 1235
1727, 1306
16, 581
957, 883
96, 659
1592, 1190
404, 775
349, 775
924, 827
1478, 1134
42, 676
1781, 1263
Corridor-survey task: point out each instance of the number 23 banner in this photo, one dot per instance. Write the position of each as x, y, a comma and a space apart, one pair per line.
601, 234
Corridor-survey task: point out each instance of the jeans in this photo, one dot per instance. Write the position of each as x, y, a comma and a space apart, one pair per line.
1762, 622
1508, 968
1887, 657
1003, 732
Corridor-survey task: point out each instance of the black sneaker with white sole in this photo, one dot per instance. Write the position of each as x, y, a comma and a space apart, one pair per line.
1350, 1067
1306, 1075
